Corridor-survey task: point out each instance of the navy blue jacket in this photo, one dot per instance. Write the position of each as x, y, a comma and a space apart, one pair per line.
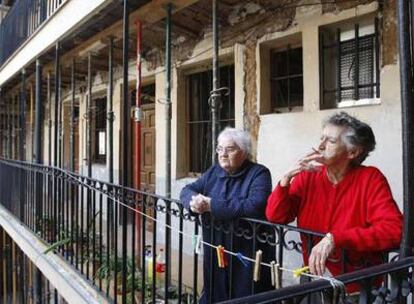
242, 194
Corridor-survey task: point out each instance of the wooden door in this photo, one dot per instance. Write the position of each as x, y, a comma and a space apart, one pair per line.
148, 148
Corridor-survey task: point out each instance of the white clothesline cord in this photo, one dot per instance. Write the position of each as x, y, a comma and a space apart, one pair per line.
334, 282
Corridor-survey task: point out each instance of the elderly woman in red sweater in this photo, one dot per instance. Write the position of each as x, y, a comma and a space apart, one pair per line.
330, 191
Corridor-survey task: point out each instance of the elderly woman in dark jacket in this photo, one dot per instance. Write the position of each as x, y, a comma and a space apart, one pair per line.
235, 187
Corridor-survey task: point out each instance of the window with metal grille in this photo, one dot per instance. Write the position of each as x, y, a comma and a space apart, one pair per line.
286, 79
99, 131
349, 64
199, 118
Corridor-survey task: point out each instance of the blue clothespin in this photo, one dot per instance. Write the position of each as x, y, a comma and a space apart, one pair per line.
242, 260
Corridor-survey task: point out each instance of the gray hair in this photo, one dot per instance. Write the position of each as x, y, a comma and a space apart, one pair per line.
357, 134
240, 137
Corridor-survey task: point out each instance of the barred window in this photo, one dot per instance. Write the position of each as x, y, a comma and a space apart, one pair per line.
349, 59
99, 131
286, 77
199, 118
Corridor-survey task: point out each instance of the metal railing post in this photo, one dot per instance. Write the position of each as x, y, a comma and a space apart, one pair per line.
22, 116
38, 115
168, 147
56, 108
38, 160
72, 120
126, 138
407, 109
215, 97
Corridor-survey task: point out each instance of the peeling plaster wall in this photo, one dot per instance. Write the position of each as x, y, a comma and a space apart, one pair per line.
250, 21
389, 33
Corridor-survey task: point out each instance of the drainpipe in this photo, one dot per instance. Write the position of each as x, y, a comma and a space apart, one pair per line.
215, 96
126, 137
407, 115
22, 116
168, 147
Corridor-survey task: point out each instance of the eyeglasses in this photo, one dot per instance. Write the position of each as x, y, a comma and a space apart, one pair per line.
227, 150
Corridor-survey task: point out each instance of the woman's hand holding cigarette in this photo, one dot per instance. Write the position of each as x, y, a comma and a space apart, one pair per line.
305, 163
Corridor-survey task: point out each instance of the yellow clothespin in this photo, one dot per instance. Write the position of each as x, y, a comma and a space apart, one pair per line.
257, 264
298, 272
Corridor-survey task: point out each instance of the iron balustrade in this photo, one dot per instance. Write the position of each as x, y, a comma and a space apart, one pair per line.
21, 21
395, 290
82, 220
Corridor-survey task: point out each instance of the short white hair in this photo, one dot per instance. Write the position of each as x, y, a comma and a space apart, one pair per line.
240, 137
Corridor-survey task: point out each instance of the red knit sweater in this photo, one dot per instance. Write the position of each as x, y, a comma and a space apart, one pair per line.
359, 211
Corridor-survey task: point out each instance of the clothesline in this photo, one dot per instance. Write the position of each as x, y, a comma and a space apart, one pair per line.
296, 272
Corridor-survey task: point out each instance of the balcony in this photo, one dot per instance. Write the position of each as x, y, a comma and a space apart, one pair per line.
111, 236
21, 21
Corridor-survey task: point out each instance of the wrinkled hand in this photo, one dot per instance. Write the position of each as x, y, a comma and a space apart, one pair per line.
306, 163
319, 255
200, 204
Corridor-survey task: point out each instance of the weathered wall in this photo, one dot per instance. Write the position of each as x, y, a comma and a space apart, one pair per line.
389, 33
283, 138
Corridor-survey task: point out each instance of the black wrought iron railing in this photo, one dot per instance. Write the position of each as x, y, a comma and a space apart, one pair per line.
114, 235
397, 289
21, 21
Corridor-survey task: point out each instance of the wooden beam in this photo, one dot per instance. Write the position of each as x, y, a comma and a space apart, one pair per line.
149, 13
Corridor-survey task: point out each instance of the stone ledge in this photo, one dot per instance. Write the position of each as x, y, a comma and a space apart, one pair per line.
70, 285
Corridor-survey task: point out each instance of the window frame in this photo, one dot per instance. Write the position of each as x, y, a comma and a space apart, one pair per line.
274, 107
96, 157
192, 170
337, 101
